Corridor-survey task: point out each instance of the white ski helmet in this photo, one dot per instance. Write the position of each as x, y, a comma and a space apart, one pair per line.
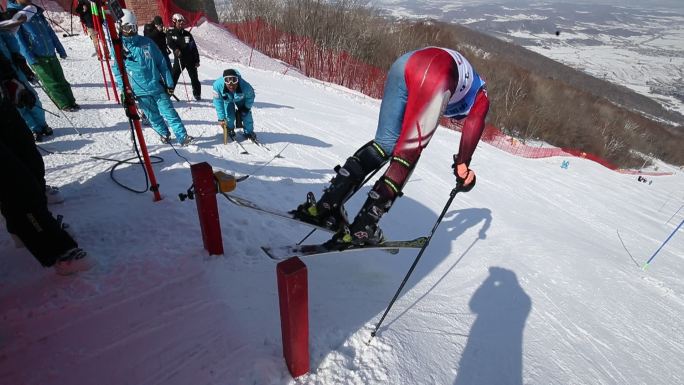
128, 23
177, 17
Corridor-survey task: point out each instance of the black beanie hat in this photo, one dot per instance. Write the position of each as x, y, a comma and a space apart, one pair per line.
229, 72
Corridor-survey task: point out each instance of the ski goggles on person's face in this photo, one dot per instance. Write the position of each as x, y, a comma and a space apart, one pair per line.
128, 28
230, 79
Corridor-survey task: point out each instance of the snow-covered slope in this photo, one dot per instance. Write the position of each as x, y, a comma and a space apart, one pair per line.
533, 277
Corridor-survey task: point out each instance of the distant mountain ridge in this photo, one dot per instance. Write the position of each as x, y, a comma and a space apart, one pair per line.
622, 46
550, 68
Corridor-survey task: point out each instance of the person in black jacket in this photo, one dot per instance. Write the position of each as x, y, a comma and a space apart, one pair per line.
83, 10
23, 202
156, 31
185, 53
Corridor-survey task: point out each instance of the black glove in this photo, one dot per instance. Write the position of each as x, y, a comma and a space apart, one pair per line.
463, 173
17, 94
169, 91
243, 110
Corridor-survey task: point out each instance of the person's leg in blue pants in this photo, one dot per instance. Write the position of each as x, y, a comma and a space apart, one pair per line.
148, 104
393, 105
34, 117
174, 122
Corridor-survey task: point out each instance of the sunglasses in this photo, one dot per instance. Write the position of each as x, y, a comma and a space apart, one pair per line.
230, 79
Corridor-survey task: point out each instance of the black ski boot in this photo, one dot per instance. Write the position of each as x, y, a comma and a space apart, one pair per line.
331, 219
329, 210
365, 229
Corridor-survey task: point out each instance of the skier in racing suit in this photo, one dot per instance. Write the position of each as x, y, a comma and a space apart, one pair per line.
421, 86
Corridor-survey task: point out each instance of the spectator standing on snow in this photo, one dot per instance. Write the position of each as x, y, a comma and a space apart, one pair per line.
421, 86
150, 79
38, 44
24, 205
156, 31
83, 10
33, 116
185, 53
231, 93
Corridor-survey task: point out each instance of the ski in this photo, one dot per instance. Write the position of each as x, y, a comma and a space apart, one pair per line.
244, 150
280, 253
257, 143
265, 147
269, 210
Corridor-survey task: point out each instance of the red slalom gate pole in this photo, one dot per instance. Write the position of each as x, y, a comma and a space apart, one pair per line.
129, 104
207, 207
104, 39
98, 31
293, 295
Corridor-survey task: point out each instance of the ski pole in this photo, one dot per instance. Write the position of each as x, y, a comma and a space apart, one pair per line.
41, 86
661, 246
48, 111
452, 195
185, 84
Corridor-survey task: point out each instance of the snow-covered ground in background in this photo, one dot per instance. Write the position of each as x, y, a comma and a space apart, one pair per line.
533, 277
638, 45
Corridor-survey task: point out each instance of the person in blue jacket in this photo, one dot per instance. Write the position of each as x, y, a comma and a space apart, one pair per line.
38, 43
231, 93
33, 116
150, 79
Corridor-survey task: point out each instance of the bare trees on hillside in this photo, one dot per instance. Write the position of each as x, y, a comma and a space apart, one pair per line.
334, 37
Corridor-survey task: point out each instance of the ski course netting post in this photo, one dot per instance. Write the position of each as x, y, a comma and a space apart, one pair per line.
293, 295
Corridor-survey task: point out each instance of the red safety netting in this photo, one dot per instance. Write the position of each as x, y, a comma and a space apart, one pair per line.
168, 8
301, 52
495, 137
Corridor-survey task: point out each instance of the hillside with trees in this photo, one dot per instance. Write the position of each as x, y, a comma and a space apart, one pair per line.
533, 97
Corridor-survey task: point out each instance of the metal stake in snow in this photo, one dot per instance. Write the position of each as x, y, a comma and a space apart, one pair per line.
452, 195
661, 246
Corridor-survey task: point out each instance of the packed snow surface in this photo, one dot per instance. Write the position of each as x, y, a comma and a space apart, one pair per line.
534, 277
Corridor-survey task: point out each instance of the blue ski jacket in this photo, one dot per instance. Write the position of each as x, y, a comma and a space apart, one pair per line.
35, 116
36, 38
9, 46
223, 99
147, 71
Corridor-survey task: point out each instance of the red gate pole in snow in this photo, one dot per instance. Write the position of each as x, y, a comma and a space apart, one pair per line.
128, 103
293, 294
104, 39
101, 43
207, 208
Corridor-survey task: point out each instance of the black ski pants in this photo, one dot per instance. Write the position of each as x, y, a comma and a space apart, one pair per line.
178, 67
22, 195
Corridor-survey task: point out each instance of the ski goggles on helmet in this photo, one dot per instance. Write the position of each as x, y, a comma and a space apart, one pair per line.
230, 79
